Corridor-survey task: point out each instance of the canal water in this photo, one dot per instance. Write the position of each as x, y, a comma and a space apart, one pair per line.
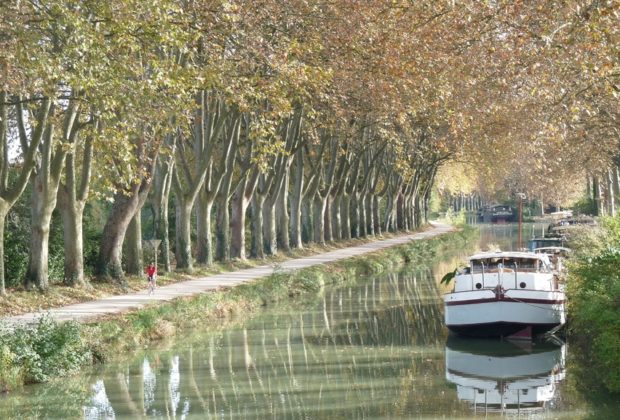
375, 348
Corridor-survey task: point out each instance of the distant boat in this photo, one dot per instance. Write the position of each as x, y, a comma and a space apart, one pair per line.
502, 294
555, 248
497, 214
500, 376
565, 227
546, 242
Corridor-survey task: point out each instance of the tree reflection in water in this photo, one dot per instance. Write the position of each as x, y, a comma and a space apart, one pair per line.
373, 349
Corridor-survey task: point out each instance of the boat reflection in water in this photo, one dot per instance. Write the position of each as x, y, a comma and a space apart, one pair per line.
503, 376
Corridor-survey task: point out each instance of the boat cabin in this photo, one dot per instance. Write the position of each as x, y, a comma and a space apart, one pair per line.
509, 262
508, 270
548, 241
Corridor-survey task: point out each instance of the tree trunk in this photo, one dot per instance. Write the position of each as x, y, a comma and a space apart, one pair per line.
615, 180
237, 223
354, 215
222, 229
269, 227
72, 196
183, 246
257, 249
427, 200
327, 220
418, 208
297, 204
38, 268
610, 193
319, 207
282, 217
134, 256
335, 215
400, 212
45, 183
72, 216
596, 190
161, 198
204, 246
376, 214
361, 211
163, 233
4, 209
110, 251
306, 221
410, 221
41, 216
389, 214
370, 220
345, 216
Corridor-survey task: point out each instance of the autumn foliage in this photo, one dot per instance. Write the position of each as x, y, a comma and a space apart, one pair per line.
326, 119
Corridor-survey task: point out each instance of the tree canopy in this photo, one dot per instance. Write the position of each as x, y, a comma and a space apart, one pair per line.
351, 108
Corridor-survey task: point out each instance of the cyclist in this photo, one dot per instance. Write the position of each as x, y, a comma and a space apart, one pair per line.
151, 272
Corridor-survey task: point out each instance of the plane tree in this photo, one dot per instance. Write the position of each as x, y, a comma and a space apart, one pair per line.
148, 93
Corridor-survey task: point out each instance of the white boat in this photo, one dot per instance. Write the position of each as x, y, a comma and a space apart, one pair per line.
502, 294
498, 376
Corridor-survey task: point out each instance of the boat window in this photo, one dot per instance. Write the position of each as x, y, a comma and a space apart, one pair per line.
489, 265
531, 264
528, 263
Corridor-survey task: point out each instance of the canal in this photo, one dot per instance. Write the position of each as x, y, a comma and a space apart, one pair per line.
374, 348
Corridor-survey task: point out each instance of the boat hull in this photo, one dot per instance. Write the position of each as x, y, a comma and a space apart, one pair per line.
489, 313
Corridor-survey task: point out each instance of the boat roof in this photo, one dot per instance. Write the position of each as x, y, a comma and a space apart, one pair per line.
548, 238
553, 248
507, 254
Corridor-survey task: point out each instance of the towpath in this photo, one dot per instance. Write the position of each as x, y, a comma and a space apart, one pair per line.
87, 311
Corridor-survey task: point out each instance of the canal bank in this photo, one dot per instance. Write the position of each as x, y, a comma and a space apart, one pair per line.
114, 331
345, 345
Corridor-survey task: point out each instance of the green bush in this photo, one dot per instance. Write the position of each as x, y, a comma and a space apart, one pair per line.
46, 350
594, 296
585, 206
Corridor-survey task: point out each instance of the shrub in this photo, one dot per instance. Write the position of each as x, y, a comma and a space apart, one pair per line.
594, 291
46, 350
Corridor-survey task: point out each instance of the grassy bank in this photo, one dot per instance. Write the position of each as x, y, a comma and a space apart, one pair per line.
49, 350
594, 307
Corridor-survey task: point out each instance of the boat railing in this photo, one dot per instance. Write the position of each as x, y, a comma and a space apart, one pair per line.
516, 272
502, 271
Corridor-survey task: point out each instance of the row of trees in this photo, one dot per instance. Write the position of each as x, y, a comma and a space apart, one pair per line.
549, 120
316, 120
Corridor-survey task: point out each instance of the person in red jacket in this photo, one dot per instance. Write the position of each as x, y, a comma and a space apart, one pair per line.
151, 272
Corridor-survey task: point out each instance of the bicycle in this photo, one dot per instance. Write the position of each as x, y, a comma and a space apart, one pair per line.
151, 285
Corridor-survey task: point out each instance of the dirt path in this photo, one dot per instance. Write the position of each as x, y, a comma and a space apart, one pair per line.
116, 304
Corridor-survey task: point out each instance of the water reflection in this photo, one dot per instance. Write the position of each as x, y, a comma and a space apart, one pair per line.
368, 350
503, 376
